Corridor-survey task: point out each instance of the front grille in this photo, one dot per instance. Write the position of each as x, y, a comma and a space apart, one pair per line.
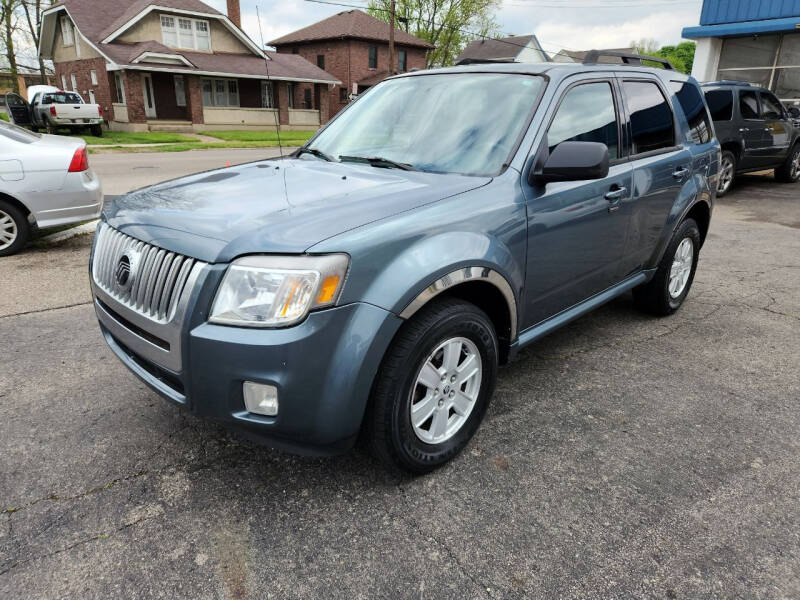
142, 277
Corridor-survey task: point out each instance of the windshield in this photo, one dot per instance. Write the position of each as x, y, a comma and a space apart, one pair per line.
62, 98
453, 123
18, 134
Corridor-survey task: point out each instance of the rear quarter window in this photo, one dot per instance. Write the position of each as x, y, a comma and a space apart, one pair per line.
720, 103
694, 109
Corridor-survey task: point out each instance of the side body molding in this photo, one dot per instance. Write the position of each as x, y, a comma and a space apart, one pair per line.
460, 276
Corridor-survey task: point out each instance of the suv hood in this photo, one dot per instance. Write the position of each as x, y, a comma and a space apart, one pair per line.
276, 206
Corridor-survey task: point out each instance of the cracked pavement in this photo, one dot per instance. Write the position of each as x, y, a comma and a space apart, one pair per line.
623, 456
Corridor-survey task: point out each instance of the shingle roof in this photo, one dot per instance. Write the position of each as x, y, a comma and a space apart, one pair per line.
350, 24
491, 49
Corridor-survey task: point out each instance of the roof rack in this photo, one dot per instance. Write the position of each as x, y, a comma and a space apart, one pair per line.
628, 58
728, 82
484, 61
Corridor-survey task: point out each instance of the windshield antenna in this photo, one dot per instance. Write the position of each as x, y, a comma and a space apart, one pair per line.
271, 91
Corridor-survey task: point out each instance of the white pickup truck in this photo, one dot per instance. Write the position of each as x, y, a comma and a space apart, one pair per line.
50, 108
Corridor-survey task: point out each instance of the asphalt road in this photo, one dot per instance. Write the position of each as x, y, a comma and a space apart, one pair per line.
623, 457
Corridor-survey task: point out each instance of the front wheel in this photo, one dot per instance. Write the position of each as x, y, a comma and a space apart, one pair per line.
433, 387
14, 229
665, 293
789, 172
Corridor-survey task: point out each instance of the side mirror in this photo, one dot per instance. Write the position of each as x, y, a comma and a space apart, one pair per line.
794, 112
575, 161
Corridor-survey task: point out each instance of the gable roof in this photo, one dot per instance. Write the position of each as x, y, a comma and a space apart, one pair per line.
579, 55
350, 24
496, 49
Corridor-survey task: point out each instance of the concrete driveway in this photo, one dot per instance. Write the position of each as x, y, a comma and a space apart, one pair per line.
623, 456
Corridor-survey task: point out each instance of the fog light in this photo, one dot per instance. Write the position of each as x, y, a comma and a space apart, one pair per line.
260, 399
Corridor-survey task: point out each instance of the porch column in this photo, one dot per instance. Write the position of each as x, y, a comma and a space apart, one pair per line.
283, 102
134, 97
322, 102
194, 99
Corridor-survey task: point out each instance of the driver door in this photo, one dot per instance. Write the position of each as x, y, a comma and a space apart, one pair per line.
18, 110
577, 229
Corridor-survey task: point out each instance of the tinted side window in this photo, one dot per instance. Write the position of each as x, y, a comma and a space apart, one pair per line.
720, 103
770, 107
586, 114
748, 105
691, 101
652, 122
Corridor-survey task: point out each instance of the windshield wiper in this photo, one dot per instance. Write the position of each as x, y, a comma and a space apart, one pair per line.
315, 152
378, 161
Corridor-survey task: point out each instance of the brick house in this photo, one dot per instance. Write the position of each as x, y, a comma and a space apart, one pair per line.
353, 47
178, 65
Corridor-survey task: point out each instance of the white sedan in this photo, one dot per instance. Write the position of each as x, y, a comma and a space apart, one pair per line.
45, 181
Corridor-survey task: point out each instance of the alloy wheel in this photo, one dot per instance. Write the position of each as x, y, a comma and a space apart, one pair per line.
725, 175
681, 267
795, 171
8, 230
446, 390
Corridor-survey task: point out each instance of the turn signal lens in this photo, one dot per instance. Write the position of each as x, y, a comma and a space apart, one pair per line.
327, 290
80, 160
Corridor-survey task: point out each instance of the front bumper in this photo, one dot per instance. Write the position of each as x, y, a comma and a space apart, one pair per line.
323, 368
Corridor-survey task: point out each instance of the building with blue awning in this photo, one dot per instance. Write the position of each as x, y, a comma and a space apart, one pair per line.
743, 40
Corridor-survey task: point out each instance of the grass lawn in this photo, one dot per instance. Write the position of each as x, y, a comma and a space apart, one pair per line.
4, 117
197, 146
262, 136
111, 138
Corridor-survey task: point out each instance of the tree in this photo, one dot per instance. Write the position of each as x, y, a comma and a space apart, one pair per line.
32, 10
681, 56
8, 21
447, 24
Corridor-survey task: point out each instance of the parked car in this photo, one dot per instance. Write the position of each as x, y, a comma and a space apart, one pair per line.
371, 284
755, 130
45, 181
50, 108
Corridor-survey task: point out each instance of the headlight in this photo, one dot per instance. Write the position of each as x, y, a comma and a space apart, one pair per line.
276, 291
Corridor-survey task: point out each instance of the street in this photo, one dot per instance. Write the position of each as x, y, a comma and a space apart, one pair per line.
622, 456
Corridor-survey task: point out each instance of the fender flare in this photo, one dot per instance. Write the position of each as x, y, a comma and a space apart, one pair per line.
463, 275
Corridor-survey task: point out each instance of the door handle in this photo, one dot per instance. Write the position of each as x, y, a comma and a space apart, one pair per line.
614, 197
743, 129
680, 172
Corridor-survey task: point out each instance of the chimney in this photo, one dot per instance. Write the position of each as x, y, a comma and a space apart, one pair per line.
235, 13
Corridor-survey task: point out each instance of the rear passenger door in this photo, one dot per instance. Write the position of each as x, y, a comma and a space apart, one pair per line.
777, 129
661, 166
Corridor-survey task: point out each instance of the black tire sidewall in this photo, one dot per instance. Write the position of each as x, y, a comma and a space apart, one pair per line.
412, 453
687, 229
23, 228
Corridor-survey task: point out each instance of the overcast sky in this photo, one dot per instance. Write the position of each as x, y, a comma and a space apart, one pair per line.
571, 24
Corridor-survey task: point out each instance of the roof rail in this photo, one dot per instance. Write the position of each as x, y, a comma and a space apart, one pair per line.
728, 82
484, 61
628, 58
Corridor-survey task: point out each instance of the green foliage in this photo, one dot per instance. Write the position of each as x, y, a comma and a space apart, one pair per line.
681, 56
447, 24
4, 117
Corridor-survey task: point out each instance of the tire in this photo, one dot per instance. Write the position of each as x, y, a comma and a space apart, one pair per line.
49, 127
663, 295
389, 429
97, 130
727, 173
789, 172
14, 229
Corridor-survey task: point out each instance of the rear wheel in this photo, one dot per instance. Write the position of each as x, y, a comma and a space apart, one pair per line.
789, 172
665, 293
14, 229
727, 172
433, 387
97, 130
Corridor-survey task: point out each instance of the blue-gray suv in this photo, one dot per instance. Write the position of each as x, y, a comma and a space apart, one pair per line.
368, 286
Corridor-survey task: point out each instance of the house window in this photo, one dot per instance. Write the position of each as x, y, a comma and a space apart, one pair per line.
93, 76
373, 57
321, 61
180, 90
267, 95
402, 60
342, 94
120, 85
67, 33
290, 91
192, 34
63, 82
295, 51
220, 92
74, 82
307, 102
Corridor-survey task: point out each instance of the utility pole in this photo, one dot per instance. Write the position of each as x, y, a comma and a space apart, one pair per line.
392, 59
